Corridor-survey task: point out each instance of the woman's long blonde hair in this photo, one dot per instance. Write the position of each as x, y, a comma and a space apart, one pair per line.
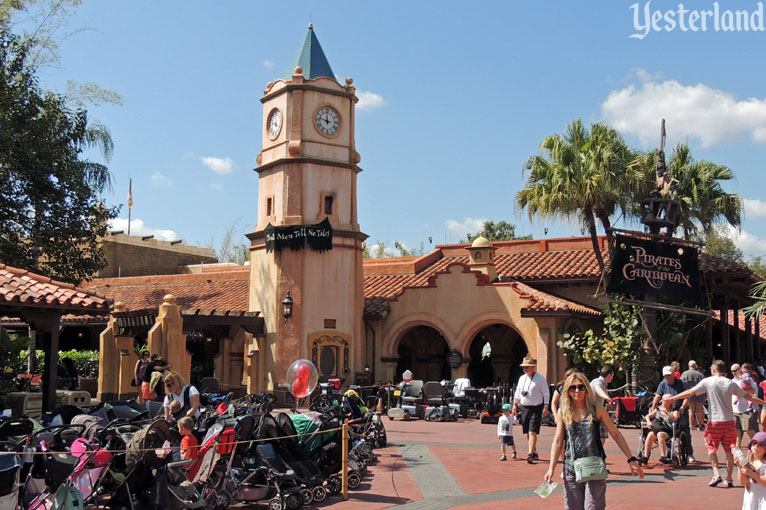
567, 406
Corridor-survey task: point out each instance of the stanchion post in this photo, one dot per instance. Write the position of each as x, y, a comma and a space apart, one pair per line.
344, 460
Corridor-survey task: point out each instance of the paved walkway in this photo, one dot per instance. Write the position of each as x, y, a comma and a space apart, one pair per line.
430, 466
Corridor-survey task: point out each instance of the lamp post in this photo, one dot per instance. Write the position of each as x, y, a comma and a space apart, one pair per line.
287, 306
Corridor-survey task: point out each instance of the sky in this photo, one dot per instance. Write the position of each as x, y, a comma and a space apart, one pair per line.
454, 98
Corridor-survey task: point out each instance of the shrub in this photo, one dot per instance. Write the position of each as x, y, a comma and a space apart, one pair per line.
86, 362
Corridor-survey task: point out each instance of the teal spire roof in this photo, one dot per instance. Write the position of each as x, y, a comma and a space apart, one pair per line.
311, 58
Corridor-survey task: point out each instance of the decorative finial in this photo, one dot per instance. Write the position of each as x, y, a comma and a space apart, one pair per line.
298, 70
311, 26
349, 80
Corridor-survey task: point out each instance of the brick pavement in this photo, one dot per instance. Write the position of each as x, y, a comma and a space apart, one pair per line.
431, 466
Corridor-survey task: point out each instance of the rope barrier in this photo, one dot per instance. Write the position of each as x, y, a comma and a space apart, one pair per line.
143, 450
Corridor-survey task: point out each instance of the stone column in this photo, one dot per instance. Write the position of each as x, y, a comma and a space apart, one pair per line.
166, 337
109, 360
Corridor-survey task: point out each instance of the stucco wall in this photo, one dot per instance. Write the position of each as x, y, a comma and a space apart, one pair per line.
459, 306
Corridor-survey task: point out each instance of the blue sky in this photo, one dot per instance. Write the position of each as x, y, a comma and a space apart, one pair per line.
455, 97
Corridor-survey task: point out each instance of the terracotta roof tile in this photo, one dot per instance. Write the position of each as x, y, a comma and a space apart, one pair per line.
218, 291
542, 302
18, 286
527, 261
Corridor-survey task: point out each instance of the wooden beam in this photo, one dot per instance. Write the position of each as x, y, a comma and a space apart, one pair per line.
725, 334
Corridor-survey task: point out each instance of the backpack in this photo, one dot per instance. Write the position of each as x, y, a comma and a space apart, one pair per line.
142, 371
68, 497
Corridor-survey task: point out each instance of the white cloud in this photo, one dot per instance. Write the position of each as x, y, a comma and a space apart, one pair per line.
713, 116
216, 186
369, 101
750, 244
160, 180
221, 166
137, 228
644, 75
755, 208
468, 226
268, 64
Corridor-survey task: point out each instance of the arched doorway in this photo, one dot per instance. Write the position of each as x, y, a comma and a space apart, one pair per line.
423, 350
508, 349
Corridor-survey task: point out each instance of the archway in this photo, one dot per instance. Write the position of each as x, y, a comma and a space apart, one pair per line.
423, 350
508, 349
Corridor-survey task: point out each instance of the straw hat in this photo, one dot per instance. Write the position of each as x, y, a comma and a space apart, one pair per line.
528, 361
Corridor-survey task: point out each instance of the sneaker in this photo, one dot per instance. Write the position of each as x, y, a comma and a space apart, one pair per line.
535, 457
715, 480
502, 458
513, 456
729, 484
692, 459
665, 459
642, 461
531, 458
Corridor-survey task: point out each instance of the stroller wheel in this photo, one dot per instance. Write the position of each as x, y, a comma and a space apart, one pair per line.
354, 480
307, 496
320, 493
293, 502
407, 416
276, 504
334, 484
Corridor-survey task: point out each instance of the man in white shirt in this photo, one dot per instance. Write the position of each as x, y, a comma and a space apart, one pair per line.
600, 386
720, 429
532, 396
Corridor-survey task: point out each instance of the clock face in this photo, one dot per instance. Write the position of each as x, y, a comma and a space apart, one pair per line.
327, 121
275, 122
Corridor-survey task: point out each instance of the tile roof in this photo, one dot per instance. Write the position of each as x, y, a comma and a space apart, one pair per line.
528, 261
541, 302
215, 291
19, 287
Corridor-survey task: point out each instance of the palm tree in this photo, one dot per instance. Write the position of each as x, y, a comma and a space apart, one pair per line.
699, 189
582, 173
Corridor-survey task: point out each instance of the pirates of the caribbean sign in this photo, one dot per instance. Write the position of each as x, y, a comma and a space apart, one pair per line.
643, 266
296, 237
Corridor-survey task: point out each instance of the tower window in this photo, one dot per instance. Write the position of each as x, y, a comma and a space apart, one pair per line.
328, 205
269, 206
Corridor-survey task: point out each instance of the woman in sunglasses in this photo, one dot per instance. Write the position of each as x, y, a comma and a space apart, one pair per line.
578, 423
180, 400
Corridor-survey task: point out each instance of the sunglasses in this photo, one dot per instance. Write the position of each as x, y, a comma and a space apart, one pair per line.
577, 387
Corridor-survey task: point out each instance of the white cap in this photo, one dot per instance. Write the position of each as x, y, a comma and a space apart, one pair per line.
667, 370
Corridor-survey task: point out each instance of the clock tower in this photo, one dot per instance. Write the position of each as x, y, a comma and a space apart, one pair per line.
307, 175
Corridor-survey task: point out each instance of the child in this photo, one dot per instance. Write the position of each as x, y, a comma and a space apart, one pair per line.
504, 431
189, 443
753, 474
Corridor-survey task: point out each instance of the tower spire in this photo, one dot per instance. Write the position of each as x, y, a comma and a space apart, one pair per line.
311, 58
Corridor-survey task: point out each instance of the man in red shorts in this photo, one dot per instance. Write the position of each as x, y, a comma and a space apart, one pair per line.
720, 428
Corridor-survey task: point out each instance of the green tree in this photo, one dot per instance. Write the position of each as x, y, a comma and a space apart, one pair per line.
500, 231
581, 174
720, 245
51, 217
618, 344
758, 265
699, 188
43, 25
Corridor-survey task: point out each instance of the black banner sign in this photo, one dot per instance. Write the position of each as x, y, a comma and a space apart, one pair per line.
642, 266
295, 237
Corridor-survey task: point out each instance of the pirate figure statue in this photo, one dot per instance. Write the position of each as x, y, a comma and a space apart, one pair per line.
664, 182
